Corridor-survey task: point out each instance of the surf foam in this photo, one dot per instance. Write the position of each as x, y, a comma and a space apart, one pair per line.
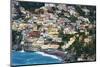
48, 55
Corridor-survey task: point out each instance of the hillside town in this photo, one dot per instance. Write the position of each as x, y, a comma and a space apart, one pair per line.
64, 30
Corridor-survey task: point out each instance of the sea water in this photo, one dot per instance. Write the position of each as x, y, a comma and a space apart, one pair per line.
33, 58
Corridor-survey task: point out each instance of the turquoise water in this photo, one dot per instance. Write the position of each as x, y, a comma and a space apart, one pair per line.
35, 58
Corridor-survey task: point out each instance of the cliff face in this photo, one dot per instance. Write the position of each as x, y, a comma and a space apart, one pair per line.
31, 5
